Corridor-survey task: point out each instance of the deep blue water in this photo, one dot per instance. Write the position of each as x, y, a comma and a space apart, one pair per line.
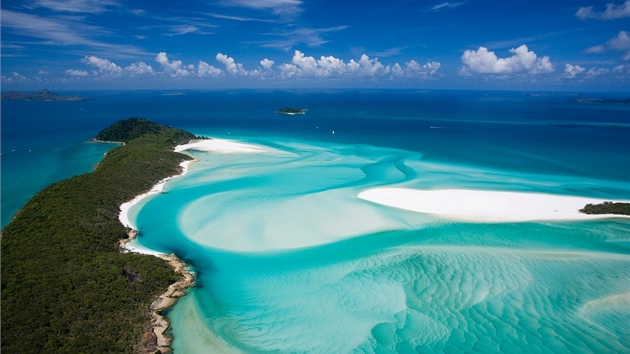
375, 279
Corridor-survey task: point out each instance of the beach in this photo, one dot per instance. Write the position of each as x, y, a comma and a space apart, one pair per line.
187, 280
485, 206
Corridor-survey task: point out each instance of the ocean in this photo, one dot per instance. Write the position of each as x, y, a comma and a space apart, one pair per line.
289, 260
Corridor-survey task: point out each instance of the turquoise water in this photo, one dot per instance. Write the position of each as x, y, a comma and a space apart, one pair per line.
289, 260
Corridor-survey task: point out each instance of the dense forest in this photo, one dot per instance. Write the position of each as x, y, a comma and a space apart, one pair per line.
607, 208
66, 287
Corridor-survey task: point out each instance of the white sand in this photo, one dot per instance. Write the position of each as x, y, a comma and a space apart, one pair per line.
222, 146
484, 206
126, 207
212, 145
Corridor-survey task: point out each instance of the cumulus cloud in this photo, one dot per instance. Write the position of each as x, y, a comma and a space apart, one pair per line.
77, 73
571, 71
367, 67
484, 61
592, 72
612, 12
266, 63
172, 68
206, 70
330, 66
621, 42
231, 66
13, 78
104, 66
140, 68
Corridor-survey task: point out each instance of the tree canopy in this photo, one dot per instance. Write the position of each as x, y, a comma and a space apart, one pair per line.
66, 287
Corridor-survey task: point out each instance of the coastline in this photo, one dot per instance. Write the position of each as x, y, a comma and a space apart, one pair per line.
176, 290
187, 280
486, 206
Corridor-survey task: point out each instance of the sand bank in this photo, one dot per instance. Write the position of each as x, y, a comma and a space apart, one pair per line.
485, 206
222, 146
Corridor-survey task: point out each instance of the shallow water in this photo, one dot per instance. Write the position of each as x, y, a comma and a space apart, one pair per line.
290, 260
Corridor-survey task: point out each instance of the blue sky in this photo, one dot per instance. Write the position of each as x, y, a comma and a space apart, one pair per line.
468, 44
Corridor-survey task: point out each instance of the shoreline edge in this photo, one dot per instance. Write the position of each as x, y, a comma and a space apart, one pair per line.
176, 290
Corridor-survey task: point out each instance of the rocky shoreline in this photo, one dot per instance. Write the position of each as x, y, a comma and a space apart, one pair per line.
156, 339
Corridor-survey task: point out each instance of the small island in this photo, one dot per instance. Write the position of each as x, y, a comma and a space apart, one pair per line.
601, 100
607, 208
43, 95
292, 111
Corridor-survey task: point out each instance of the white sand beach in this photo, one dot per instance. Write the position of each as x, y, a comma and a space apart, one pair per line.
211, 145
158, 188
485, 206
222, 146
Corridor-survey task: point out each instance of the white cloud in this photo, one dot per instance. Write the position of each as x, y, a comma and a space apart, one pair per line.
367, 67
180, 30
571, 71
206, 70
14, 78
104, 66
592, 72
85, 6
312, 37
140, 68
266, 63
484, 61
231, 66
174, 68
330, 66
79, 73
621, 42
447, 5
281, 7
61, 31
612, 12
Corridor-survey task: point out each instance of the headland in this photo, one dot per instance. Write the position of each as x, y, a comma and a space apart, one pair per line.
66, 287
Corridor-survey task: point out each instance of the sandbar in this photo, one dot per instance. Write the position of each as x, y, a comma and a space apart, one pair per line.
485, 206
222, 146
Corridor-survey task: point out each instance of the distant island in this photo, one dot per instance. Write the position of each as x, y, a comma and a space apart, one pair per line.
607, 208
43, 95
292, 110
601, 100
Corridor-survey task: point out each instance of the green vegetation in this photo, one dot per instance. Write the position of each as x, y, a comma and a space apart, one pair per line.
607, 208
65, 285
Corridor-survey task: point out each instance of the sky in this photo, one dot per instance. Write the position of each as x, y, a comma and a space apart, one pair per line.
572, 45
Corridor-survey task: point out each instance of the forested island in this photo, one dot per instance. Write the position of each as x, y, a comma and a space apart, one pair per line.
292, 110
43, 95
66, 286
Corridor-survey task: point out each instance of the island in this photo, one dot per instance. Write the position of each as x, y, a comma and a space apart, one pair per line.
43, 95
606, 208
67, 287
601, 100
292, 110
